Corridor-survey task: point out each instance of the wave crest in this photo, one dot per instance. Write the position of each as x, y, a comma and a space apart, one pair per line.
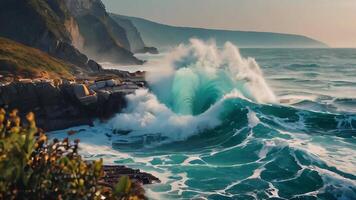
187, 96
198, 75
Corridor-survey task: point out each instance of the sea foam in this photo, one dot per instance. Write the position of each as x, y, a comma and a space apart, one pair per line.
188, 92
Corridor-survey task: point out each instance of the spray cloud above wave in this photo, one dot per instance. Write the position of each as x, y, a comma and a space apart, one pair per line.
195, 76
189, 89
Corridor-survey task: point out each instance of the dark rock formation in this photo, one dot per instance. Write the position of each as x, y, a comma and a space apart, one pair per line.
151, 50
104, 39
66, 30
94, 66
62, 106
113, 173
40, 24
67, 52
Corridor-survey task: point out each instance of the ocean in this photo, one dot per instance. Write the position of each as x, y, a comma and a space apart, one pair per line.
223, 123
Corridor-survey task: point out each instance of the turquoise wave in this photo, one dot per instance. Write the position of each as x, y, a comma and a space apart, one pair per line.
210, 127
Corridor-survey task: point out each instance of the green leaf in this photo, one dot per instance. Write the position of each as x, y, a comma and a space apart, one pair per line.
123, 186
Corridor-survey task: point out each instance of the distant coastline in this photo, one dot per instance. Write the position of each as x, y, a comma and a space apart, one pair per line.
164, 36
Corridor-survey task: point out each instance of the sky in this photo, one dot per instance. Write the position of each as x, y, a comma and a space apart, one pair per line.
330, 21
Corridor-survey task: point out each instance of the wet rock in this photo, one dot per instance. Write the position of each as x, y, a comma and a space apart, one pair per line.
151, 50
111, 83
94, 66
113, 173
80, 90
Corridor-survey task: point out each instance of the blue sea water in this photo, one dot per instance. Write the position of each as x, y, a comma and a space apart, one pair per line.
218, 123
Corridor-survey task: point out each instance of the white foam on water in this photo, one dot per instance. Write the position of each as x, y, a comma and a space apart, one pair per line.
183, 83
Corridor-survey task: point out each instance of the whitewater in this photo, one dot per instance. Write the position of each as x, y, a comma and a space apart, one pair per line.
216, 124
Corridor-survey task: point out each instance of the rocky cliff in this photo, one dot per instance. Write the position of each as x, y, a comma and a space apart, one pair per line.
66, 29
136, 43
104, 39
40, 24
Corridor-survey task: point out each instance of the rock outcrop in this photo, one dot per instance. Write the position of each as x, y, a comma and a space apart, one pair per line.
104, 39
63, 105
113, 173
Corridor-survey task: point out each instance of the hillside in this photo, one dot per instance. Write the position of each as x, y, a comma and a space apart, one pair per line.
26, 62
71, 30
165, 36
103, 38
40, 24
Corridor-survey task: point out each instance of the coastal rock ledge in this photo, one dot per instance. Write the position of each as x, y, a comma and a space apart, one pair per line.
59, 105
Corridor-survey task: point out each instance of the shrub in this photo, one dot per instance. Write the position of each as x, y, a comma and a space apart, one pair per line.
34, 168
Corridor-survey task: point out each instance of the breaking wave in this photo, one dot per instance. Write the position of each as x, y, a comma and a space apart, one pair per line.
210, 127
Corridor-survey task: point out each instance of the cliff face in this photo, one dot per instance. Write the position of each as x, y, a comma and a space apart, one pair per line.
133, 35
66, 28
73, 29
104, 39
40, 24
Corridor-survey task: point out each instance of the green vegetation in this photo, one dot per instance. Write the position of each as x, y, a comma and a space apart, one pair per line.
34, 168
29, 62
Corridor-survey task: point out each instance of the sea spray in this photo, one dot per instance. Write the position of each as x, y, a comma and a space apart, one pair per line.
194, 77
186, 97
146, 115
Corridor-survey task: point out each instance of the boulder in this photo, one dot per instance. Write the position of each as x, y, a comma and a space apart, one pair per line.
151, 50
80, 90
100, 84
93, 87
111, 83
20, 95
94, 66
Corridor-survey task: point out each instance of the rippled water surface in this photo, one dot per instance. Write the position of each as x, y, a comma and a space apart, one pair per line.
217, 125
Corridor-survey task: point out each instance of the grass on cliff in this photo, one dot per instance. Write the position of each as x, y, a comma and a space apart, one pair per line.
27, 62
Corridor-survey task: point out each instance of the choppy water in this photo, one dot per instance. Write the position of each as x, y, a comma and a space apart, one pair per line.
217, 125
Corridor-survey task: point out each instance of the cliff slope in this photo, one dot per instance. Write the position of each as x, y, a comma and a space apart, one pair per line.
53, 27
104, 39
40, 24
26, 62
134, 37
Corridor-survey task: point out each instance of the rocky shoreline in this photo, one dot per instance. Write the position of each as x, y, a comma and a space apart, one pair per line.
60, 104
